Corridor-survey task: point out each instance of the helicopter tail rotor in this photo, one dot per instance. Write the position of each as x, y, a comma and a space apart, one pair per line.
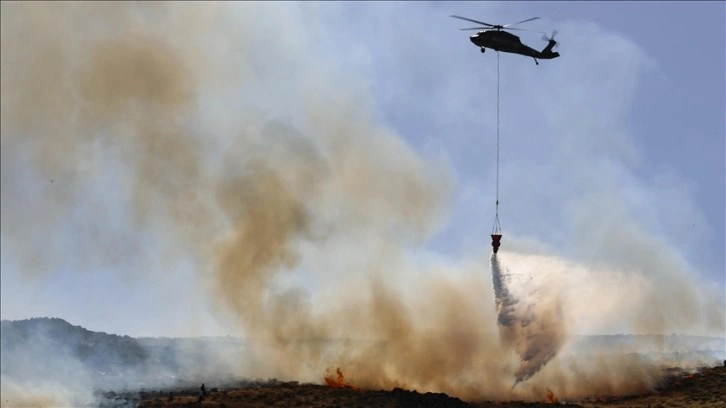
551, 38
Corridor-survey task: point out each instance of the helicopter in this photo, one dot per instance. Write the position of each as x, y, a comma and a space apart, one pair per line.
492, 36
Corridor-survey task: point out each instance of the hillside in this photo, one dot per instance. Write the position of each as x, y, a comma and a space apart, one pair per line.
53, 349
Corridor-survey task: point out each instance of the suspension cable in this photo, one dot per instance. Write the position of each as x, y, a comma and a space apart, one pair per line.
497, 228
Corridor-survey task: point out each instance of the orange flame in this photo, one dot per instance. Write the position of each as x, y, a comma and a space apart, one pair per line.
338, 381
551, 397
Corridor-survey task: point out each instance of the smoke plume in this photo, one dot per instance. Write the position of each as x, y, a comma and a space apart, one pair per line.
137, 137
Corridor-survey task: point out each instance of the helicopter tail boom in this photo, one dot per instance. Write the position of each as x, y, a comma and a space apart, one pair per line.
547, 53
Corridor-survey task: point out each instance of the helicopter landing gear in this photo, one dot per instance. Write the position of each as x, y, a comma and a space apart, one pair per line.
483, 49
536, 62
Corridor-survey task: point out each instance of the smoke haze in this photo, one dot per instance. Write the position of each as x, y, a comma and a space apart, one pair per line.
150, 139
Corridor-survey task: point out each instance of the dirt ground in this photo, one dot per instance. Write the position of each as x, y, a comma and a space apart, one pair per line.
705, 388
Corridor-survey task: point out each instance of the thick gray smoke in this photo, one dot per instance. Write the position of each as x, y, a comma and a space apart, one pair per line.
533, 327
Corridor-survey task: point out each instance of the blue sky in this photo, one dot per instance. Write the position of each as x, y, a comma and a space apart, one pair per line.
621, 138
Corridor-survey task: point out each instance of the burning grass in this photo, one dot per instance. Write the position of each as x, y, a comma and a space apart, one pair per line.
702, 388
338, 381
551, 398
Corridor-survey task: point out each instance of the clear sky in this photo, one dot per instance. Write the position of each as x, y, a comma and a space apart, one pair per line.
623, 133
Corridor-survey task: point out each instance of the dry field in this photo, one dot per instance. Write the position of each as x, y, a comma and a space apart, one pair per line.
705, 388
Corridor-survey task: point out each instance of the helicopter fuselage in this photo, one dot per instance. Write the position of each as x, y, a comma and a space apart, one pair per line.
507, 42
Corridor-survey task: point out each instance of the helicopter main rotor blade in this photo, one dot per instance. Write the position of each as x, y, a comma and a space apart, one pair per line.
473, 21
523, 29
520, 22
505, 29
